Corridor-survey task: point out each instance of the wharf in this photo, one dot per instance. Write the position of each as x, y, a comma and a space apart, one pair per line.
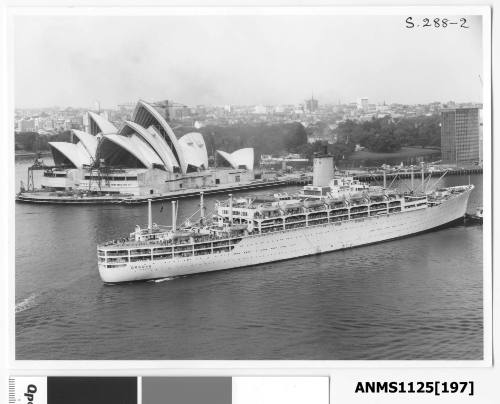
379, 175
65, 198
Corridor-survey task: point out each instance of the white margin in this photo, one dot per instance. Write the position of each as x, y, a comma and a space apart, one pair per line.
207, 368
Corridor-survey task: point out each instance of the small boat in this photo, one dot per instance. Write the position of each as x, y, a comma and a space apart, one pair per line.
476, 217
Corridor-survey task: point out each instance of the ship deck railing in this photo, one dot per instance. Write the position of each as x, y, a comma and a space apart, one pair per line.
205, 238
157, 228
273, 226
229, 246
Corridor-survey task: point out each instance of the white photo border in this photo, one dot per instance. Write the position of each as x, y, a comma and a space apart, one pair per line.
245, 367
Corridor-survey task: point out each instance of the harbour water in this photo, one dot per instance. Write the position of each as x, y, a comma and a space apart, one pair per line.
413, 298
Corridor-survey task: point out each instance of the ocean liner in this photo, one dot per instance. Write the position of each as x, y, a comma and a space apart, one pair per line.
332, 214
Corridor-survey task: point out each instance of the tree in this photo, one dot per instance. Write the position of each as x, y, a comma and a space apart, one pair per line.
388, 135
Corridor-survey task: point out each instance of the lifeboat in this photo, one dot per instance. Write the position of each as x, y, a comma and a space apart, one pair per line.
291, 206
335, 203
238, 227
269, 208
313, 204
264, 198
182, 234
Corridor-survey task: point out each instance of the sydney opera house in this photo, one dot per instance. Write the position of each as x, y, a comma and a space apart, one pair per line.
142, 157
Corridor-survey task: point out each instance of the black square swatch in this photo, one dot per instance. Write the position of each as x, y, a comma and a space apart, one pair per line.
92, 390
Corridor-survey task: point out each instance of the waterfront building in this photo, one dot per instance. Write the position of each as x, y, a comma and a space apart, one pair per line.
460, 135
141, 157
284, 162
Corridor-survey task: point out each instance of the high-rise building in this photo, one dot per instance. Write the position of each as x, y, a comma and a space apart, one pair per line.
260, 110
312, 105
362, 103
26, 125
460, 135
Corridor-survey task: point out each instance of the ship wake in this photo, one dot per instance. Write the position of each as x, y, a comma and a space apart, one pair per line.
25, 304
161, 280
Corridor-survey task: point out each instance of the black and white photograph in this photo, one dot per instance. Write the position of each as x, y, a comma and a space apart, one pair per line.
251, 184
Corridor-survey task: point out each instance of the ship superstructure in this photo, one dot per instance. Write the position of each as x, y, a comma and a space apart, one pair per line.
253, 230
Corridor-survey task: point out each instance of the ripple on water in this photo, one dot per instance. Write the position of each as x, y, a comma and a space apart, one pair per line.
414, 298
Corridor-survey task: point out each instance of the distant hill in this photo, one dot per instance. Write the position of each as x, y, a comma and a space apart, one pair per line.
386, 135
34, 142
383, 135
265, 139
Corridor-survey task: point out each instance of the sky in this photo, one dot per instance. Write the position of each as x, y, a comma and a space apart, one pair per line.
242, 60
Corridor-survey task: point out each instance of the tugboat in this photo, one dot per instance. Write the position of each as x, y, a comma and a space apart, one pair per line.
476, 217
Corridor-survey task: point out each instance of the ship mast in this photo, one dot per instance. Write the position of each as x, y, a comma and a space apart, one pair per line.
202, 208
230, 209
423, 178
174, 216
412, 175
150, 217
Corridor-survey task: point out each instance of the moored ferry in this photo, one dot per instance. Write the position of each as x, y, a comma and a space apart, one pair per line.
247, 231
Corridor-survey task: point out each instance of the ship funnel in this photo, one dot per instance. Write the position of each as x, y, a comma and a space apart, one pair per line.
322, 170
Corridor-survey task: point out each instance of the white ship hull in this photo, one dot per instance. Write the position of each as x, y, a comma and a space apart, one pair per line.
281, 245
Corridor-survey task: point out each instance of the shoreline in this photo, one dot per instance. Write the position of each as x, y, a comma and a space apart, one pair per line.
32, 154
42, 197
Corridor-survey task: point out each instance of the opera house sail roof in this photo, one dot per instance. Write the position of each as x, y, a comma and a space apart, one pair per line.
99, 124
145, 141
194, 149
154, 140
146, 116
158, 143
88, 141
239, 158
127, 152
70, 154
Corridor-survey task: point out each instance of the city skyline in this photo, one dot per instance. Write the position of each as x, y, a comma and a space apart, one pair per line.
271, 108
235, 60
